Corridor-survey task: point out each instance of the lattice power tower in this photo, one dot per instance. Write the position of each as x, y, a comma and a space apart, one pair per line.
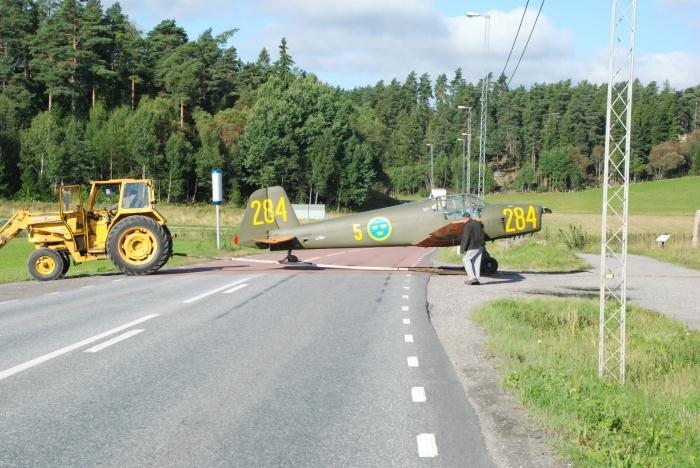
618, 134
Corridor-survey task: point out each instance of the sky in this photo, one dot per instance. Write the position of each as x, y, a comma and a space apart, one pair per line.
359, 42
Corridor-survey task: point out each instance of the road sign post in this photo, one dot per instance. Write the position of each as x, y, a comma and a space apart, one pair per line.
216, 199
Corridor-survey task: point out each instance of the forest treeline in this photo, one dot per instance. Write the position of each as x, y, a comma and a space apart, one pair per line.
85, 95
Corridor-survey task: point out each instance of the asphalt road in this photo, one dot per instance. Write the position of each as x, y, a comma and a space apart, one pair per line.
232, 364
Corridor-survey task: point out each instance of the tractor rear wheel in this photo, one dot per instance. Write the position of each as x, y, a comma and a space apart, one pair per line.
45, 264
138, 245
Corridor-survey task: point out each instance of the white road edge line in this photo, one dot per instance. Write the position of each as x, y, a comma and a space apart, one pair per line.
407, 321
214, 291
114, 340
117, 280
427, 448
51, 294
412, 361
59, 352
311, 259
235, 288
408, 338
404, 308
404, 296
418, 394
8, 302
407, 287
87, 287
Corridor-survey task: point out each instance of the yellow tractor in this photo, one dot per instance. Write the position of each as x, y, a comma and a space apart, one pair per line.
120, 223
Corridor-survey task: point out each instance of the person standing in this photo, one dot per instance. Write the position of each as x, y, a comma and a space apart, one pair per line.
471, 246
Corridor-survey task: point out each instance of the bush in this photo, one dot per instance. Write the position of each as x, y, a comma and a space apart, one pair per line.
575, 238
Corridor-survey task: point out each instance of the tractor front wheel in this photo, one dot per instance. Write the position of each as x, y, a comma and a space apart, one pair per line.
138, 245
45, 264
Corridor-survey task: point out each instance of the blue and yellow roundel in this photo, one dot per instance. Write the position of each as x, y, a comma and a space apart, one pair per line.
379, 228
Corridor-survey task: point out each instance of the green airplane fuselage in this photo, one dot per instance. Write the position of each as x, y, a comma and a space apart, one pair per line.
431, 222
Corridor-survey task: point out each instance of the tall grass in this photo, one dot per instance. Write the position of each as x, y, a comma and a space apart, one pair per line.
548, 353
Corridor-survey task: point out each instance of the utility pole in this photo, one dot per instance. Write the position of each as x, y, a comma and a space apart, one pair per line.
618, 137
484, 106
461, 182
468, 134
432, 186
482, 136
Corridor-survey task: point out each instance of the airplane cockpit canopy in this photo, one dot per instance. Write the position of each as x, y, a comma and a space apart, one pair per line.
454, 206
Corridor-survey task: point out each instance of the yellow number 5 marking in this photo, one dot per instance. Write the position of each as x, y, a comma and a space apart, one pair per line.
358, 232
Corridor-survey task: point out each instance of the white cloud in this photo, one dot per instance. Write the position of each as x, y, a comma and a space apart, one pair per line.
387, 39
361, 41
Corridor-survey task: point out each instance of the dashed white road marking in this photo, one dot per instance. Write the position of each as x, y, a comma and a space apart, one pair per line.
236, 288
427, 448
407, 287
88, 287
407, 321
418, 394
404, 308
408, 275
214, 291
114, 340
59, 352
52, 294
404, 296
408, 338
117, 280
8, 302
311, 259
412, 361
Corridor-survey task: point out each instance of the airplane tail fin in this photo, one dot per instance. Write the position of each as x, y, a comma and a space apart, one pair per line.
269, 209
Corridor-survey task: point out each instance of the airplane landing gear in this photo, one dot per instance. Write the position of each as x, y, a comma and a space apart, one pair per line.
489, 265
290, 258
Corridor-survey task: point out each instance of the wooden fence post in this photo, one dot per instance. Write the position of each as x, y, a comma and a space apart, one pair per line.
696, 230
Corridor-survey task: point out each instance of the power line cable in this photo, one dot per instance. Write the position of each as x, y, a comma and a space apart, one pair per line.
526, 44
516, 39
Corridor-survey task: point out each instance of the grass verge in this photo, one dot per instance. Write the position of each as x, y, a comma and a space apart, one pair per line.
547, 353
531, 255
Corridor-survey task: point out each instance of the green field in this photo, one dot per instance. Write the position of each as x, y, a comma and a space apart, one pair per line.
662, 197
530, 255
546, 351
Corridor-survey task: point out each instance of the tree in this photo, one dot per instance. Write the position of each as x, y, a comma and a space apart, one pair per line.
41, 156
183, 76
283, 66
178, 154
93, 38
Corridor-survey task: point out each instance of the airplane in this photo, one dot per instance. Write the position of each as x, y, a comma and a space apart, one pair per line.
269, 223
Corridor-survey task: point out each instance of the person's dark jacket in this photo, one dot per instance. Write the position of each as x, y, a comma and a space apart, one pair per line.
472, 236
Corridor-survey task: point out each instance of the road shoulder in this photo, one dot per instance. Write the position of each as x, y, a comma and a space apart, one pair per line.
512, 438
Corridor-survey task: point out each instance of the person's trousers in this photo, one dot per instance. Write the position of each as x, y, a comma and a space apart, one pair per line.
472, 263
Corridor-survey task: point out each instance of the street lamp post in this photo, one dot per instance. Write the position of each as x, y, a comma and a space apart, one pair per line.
484, 106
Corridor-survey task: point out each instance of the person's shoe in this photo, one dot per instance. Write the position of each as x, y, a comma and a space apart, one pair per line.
471, 281
476, 281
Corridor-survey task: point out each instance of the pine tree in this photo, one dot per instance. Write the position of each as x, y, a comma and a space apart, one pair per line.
283, 66
94, 40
